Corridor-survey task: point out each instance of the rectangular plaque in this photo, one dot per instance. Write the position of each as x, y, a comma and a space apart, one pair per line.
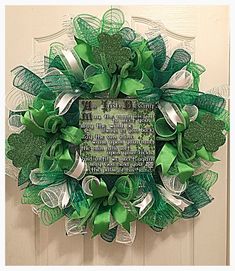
119, 137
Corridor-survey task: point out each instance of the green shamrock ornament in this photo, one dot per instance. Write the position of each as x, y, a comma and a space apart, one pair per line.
111, 52
208, 133
24, 149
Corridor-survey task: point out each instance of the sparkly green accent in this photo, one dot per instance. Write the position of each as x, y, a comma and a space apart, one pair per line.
111, 52
25, 147
208, 133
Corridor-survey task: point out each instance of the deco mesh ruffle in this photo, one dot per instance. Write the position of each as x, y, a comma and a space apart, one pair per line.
111, 62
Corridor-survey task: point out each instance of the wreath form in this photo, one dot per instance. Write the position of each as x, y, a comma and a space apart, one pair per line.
112, 61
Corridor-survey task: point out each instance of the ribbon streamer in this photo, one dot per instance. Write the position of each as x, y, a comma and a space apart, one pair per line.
73, 63
64, 101
144, 203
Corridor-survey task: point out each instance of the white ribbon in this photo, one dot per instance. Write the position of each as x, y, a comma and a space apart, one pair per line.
86, 184
64, 101
176, 200
78, 170
124, 237
171, 113
182, 79
56, 195
18, 100
173, 184
113, 223
144, 203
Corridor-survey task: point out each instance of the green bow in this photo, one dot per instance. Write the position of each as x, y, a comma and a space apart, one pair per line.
101, 80
104, 203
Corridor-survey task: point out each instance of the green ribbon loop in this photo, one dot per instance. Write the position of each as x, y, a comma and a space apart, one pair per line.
203, 153
72, 135
106, 203
185, 171
100, 82
102, 220
166, 157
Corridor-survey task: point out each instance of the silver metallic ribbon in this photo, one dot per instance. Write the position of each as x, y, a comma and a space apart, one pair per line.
64, 101
171, 113
192, 111
73, 63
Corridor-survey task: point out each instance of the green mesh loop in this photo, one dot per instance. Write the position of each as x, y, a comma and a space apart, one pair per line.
49, 216
110, 235
128, 35
206, 180
77, 197
87, 28
197, 194
161, 215
190, 212
112, 21
31, 195
26, 80
157, 45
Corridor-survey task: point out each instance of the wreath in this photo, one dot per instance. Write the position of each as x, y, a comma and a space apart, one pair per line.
168, 177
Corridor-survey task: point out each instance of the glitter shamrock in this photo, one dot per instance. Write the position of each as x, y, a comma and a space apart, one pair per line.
208, 133
24, 149
111, 52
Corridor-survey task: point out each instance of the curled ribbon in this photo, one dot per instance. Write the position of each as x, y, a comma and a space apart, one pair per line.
78, 169
125, 237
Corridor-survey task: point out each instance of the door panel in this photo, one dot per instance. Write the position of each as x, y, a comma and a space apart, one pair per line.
201, 241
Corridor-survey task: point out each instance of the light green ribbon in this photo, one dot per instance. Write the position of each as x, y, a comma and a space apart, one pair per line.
105, 203
166, 158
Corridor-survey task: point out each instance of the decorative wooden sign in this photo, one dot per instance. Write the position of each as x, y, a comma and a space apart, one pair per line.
119, 136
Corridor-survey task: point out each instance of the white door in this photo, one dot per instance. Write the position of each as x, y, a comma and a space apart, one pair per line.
201, 241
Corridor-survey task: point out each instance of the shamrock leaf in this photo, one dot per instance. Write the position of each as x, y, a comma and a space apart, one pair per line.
111, 52
24, 149
208, 133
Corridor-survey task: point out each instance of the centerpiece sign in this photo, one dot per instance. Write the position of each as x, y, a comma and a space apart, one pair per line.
119, 136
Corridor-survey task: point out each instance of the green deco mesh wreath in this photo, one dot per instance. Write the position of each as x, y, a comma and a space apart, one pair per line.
115, 131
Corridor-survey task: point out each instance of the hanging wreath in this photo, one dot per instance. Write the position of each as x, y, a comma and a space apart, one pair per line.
115, 131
